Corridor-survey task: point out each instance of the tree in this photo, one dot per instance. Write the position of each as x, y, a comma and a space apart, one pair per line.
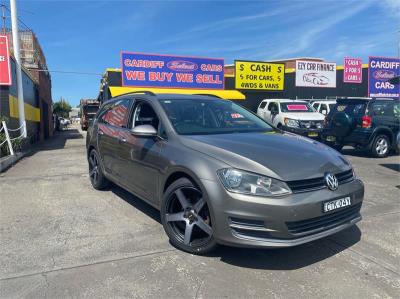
61, 108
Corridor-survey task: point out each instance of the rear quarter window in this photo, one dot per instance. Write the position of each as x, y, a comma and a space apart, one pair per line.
353, 109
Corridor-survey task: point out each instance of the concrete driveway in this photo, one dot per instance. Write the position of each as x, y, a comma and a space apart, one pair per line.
61, 238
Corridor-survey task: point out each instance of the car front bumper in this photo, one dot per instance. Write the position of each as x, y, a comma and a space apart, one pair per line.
311, 133
252, 221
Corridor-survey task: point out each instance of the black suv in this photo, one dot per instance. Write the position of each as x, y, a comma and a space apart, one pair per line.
365, 123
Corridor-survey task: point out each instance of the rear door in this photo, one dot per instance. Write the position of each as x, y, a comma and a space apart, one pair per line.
383, 115
110, 124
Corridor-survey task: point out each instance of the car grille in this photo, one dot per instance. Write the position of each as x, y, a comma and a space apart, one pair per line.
323, 222
310, 124
318, 183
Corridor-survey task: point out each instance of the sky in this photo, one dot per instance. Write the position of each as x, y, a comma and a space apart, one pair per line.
88, 36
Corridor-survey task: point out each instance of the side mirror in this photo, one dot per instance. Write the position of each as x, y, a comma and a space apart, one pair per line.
144, 131
323, 112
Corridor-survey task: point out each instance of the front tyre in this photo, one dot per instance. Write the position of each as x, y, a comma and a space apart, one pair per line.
186, 218
380, 146
97, 178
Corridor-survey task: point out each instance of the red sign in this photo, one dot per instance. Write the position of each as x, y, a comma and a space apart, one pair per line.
352, 72
5, 68
297, 107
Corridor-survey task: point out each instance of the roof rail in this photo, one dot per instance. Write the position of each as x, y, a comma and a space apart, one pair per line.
144, 91
207, 94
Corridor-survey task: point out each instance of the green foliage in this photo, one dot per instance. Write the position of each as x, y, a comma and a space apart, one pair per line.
62, 108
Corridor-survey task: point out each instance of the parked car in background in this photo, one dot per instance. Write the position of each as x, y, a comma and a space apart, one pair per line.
89, 109
220, 174
292, 115
323, 106
370, 124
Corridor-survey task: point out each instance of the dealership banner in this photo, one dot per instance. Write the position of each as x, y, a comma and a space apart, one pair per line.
251, 75
380, 71
315, 74
352, 70
165, 71
5, 67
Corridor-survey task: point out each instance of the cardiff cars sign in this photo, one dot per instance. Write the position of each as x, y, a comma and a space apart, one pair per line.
165, 71
380, 71
315, 74
5, 68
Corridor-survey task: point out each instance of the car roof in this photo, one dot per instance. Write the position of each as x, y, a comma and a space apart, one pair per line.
285, 100
170, 96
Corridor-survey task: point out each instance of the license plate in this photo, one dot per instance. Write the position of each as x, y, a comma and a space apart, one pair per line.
337, 204
331, 138
312, 134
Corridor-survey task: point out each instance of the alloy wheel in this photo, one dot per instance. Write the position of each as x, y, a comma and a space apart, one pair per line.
381, 146
188, 217
93, 168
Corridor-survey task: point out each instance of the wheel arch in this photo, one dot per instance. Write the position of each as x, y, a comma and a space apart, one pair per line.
382, 131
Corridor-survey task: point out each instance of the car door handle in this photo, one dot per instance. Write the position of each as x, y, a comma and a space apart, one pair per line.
101, 132
122, 139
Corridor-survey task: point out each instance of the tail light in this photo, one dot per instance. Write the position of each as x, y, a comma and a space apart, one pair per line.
366, 121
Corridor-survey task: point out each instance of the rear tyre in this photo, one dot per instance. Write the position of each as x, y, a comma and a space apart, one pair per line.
380, 146
97, 178
186, 218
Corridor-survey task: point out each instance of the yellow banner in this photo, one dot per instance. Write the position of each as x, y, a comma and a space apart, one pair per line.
259, 75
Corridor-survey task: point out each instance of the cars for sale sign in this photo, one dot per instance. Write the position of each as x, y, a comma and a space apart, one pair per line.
315, 74
380, 71
251, 75
352, 71
165, 71
5, 67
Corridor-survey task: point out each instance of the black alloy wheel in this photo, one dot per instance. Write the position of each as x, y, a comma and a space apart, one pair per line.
96, 175
186, 218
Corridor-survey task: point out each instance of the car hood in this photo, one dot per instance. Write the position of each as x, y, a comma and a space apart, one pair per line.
304, 115
283, 156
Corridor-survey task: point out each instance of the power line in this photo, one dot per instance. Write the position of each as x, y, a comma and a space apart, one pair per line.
66, 72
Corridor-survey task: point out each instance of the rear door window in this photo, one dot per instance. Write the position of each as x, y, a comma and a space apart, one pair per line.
352, 109
117, 115
396, 110
381, 109
263, 104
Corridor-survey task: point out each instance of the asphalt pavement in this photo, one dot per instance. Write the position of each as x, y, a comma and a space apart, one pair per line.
60, 238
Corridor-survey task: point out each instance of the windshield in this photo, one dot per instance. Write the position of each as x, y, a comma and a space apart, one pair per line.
200, 117
90, 109
296, 107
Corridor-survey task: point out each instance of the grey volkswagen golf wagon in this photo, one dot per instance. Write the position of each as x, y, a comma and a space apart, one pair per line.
219, 174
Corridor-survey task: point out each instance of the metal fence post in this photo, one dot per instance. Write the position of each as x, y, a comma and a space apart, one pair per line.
8, 138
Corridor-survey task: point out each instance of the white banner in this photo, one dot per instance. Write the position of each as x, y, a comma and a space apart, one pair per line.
315, 74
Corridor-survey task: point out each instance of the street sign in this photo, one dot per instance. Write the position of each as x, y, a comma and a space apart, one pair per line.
5, 66
165, 71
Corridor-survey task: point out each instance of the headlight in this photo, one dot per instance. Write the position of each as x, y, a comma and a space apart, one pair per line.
319, 125
291, 122
248, 183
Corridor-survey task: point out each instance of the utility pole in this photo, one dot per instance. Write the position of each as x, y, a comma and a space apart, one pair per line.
20, 91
